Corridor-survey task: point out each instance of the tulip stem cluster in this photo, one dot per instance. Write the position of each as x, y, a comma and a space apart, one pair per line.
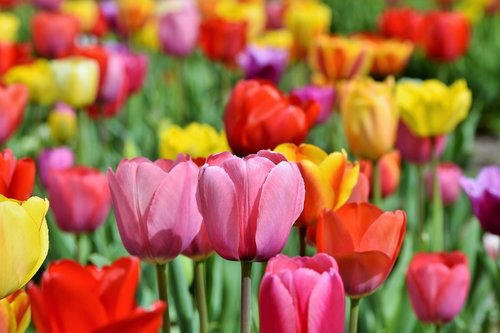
201, 302
437, 209
161, 278
246, 297
353, 316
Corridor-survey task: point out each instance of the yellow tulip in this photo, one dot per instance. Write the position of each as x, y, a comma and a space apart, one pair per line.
9, 26
251, 12
15, 312
77, 79
329, 179
148, 36
87, 12
430, 108
280, 39
197, 140
24, 241
37, 76
369, 116
62, 123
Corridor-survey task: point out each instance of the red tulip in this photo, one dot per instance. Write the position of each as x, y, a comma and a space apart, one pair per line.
259, 116
54, 33
300, 295
365, 242
76, 299
446, 35
79, 198
17, 177
401, 23
222, 40
13, 100
438, 284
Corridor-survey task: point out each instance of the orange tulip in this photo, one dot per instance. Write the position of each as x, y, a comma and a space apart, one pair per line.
389, 168
365, 242
15, 313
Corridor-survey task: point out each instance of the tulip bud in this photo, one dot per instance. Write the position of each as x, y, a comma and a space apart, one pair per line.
62, 123
416, 149
449, 175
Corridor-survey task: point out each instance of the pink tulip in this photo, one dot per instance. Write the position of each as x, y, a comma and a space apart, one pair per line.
59, 158
302, 294
438, 284
79, 198
155, 206
415, 149
449, 175
201, 246
249, 204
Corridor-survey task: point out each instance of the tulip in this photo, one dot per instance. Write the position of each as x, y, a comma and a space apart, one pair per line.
109, 10
222, 40
12, 54
46, 25
17, 177
9, 26
416, 149
307, 20
178, 28
200, 247
334, 58
275, 12
38, 78
197, 140
72, 298
484, 195
401, 23
131, 15
389, 169
47, 4
370, 117
60, 158
80, 198
22, 223
365, 241
491, 244
449, 175
438, 284
136, 66
251, 12
13, 100
77, 80
324, 96
278, 39
86, 11
15, 313
263, 63
62, 123
361, 191
259, 116
446, 35
301, 294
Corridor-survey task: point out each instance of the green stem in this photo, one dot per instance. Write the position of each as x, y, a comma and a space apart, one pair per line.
421, 203
161, 278
246, 297
353, 318
181, 95
377, 185
201, 302
181, 297
302, 240
437, 208
439, 328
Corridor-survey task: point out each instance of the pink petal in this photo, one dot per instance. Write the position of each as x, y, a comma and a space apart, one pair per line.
453, 293
276, 310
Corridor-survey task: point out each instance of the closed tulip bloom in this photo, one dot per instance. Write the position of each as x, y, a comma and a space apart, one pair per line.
365, 241
50, 159
449, 175
86, 11
401, 23
484, 195
9, 26
77, 79
178, 27
15, 313
438, 284
201, 246
142, 191
13, 100
446, 35
389, 166
337, 58
249, 204
329, 179
73, 298
430, 108
132, 14
47, 4
62, 123
21, 223
17, 177
136, 66
196, 140
80, 198
301, 294
416, 149
324, 96
370, 117
263, 63
46, 25
259, 116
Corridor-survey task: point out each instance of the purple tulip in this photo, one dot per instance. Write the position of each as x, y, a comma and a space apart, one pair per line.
59, 158
449, 175
484, 195
415, 149
263, 63
178, 28
325, 96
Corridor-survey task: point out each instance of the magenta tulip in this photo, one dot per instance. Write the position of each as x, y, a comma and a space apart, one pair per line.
79, 198
59, 158
415, 149
302, 295
449, 175
438, 284
263, 63
325, 96
249, 204
155, 206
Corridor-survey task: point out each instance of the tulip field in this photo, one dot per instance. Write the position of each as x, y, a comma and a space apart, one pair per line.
274, 166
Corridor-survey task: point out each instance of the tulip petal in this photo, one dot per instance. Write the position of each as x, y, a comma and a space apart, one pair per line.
23, 179
453, 293
385, 234
275, 306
